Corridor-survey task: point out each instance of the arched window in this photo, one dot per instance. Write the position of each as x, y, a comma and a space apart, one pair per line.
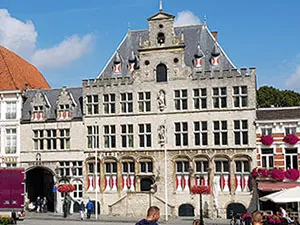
161, 73
160, 38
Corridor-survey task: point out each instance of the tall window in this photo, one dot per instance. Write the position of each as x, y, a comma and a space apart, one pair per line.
77, 165
181, 134
92, 104
220, 133
200, 133
266, 131
291, 158
109, 103
242, 170
78, 192
51, 139
93, 136
145, 135
110, 168
182, 167
240, 132
200, 98
222, 167
11, 141
219, 97
267, 157
240, 96
242, 166
126, 102
161, 73
290, 130
146, 167
128, 168
201, 170
11, 110
91, 168
144, 101
127, 136
64, 138
38, 139
109, 136
181, 99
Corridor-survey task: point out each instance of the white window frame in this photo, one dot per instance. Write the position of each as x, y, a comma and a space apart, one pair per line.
127, 136
145, 135
291, 157
126, 102
240, 131
109, 103
266, 131
147, 167
109, 135
144, 101
93, 136
181, 134
92, 104
221, 131
10, 140
200, 98
290, 130
240, 95
268, 157
11, 110
181, 99
218, 97
201, 134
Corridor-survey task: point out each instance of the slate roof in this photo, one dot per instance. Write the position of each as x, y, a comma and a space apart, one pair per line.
15, 72
52, 96
193, 35
292, 113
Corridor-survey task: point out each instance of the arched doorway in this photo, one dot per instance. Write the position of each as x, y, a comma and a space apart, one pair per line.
146, 184
186, 210
39, 182
234, 209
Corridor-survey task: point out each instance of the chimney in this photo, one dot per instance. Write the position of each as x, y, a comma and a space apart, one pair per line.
215, 34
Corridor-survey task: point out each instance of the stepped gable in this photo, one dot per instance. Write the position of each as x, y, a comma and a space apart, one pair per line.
15, 72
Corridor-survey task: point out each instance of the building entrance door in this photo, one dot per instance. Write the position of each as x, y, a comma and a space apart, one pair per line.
39, 183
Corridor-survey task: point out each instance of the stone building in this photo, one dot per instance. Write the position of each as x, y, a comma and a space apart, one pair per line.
277, 132
169, 96
52, 143
15, 75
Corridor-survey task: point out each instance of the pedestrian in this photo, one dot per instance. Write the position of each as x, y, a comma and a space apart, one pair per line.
153, 215
90, 208
38, 204
257, 218
44, 205
82, 210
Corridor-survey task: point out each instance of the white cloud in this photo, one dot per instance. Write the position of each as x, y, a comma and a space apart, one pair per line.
185, 18
20, 37
63, 54
294, 80
17, 36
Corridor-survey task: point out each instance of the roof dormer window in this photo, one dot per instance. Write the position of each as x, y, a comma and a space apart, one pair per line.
160, 38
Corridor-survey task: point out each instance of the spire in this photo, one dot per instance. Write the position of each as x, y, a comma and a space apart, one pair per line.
128, 27
216, 51
205, 19
160, 5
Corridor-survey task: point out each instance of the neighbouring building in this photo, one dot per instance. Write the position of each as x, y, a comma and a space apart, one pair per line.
277, 132
16, 75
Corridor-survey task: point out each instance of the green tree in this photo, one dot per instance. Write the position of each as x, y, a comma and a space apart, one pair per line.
269, 96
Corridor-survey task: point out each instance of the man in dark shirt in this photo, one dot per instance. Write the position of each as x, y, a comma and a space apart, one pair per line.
153, 215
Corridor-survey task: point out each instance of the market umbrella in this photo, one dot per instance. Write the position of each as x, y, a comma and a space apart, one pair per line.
284, 196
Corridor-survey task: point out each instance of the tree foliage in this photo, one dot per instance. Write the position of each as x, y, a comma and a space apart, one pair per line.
269, 96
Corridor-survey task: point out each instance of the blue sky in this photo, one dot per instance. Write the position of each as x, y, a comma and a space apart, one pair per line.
72, 40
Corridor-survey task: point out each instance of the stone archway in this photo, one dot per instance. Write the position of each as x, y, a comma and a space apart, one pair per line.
186, 210
39, 182
234, 209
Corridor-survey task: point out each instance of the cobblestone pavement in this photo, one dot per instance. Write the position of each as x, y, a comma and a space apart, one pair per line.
57, 219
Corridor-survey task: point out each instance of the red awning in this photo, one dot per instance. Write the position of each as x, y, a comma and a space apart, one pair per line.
276, 186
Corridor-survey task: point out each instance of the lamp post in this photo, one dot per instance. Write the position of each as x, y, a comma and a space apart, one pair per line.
96, 176
201, 189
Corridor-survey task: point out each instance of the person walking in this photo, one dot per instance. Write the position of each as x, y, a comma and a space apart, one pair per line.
153, 215
257, 218
38, 204
82, 210
90, 208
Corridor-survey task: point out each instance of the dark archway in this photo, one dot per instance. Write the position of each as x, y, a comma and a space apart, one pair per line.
161, 73
93, 212
146, 184
39, 182
186, 210
235, 209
